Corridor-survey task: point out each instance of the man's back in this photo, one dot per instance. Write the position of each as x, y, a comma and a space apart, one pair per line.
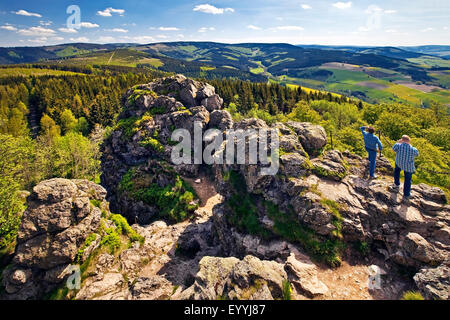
371, 141
405, 156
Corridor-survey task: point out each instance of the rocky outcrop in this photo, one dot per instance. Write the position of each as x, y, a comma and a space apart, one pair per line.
58, 219
434, 282
317, 201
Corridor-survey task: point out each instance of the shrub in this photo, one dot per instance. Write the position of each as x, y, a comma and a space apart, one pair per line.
412, 295
287, 290
124, 228
174, 202
111, 240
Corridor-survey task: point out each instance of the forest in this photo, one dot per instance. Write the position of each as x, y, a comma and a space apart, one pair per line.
52, 125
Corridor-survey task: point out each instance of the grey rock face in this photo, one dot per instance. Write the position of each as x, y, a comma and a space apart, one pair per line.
58, 219
434, 282
312, 137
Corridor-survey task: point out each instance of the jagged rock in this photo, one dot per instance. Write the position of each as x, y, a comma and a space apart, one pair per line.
221, 119
155, 288
434, 283
109, 287
212, 103
248, 279
304, 276
58, 219
293, 165
312, 137
212, 277
416, 250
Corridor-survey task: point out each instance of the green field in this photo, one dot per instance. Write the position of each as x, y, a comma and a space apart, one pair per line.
24, 72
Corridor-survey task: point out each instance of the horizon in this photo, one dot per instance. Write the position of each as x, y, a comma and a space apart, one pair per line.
225, 43
325, 22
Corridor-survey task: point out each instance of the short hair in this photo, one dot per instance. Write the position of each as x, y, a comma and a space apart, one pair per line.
406, 138
371, 130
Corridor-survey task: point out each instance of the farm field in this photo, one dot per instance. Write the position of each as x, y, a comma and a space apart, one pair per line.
25, 72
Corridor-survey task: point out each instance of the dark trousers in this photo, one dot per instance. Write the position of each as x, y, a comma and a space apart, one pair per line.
373, 161
407, 184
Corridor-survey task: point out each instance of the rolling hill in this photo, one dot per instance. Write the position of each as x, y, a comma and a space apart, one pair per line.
373, 74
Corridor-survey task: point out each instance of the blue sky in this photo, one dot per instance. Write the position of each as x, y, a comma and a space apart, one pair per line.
332, 22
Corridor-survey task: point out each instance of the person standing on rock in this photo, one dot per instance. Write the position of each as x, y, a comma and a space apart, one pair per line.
371, 142
404, 160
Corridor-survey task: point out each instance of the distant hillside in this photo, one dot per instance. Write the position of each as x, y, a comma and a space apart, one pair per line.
373, 74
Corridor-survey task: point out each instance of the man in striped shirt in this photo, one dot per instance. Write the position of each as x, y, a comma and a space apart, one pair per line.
404, 160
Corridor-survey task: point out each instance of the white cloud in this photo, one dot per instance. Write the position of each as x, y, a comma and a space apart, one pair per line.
89, 25
67, 30
140, 39
207, 8
38, 40
80, 39
289, 28
120, 30
306, 6
46, 23
390, 11
106, 39
162, 36
27, 14
58, 38
37, 31
8, 27
363, 29
168, 29
391, 31
427, 30
204, 29
445, 28
108, 12
343, 5
252, 27
180, 35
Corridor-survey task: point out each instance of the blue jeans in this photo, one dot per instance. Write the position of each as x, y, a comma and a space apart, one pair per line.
407, 184
373, 161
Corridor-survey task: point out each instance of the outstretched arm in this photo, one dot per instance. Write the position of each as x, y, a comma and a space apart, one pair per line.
363, 130
380, 145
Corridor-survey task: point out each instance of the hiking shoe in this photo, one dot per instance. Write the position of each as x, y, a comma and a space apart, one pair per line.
373, 178
395, 187
406, 199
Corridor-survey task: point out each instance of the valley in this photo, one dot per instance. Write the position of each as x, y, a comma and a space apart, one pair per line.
374, 75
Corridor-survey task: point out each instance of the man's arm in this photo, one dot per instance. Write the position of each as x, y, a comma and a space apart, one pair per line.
395, 147
416, 152
380, 145
363, 130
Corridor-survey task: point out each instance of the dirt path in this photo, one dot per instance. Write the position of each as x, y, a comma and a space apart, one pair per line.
110, 58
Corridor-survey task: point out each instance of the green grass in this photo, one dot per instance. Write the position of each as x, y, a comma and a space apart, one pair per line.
175, 202
36, 72
287, 290
245, 217
412, 295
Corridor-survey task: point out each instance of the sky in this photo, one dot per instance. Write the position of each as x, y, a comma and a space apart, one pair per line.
325, 22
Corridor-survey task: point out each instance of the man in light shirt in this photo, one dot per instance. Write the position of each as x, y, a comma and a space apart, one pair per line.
404, 160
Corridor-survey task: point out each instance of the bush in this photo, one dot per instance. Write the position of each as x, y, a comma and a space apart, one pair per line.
124, 228
174, 202
412, 295
287, 290
111, 240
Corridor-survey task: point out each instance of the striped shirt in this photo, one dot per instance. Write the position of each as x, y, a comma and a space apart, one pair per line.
405, 156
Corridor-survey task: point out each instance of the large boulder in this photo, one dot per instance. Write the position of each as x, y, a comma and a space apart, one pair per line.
434, 283
312, 137
58, 219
